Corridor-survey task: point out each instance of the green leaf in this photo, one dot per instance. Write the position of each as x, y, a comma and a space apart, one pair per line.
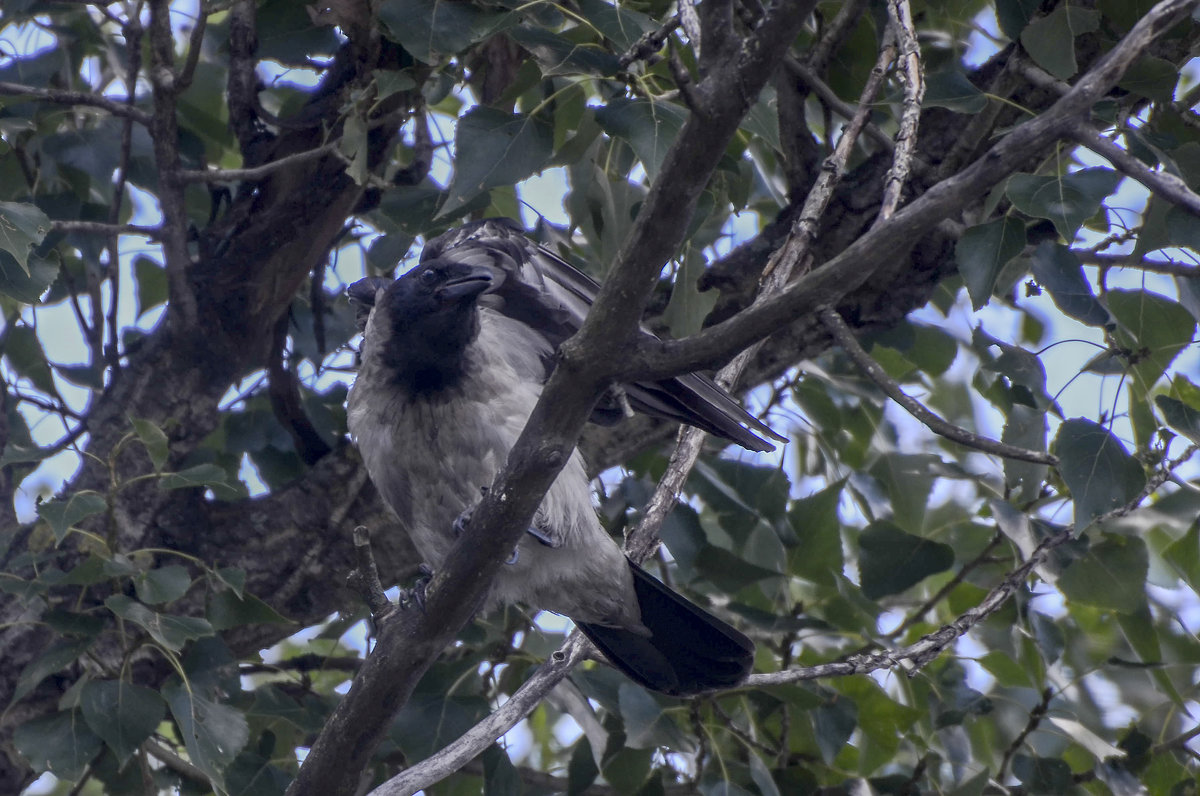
62, 515
391, 81
168, 630
951, 89
1180, 416
559, 55
60, 743
228, 610
163, 584
890, 560
22, 227
817, 554
908, 480
650, 127
688, 307
25, 354
495, 148
1050, 41
728, 572
618, 23
647, 725
232, 577
834, 722
1154, 329
1151, 77
154, 439
1096, 468
983, 251
500, 777
1066, 201
1007, 672
433, 29
1025, 428
1184, 555
582, 770
1014, 15
212, 733
1042, 774
57, 656
1183, 228
26, 284
151, 284
1061, 274
209, 475
1112, 575
121, 713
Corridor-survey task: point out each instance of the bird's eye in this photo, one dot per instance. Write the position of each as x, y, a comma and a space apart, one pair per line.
428, 277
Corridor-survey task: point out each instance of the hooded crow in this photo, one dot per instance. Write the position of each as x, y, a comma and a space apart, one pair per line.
454, 357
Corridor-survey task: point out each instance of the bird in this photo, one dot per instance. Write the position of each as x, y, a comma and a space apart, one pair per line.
454, 357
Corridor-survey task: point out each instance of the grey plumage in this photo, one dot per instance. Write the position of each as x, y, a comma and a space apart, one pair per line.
454, 357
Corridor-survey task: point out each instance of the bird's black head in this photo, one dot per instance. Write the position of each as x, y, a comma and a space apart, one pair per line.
426, 320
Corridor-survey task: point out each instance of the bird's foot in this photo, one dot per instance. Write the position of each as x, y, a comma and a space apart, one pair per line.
416, 594
463, 520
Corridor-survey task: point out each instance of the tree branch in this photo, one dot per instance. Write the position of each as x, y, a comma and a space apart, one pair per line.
845, 338
900, 16
874, 254
1163, 183
182, 311
115, 106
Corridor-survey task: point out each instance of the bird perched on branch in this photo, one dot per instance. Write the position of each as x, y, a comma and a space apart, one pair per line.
454, 357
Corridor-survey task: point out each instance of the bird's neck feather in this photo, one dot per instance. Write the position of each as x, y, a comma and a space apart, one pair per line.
430, 356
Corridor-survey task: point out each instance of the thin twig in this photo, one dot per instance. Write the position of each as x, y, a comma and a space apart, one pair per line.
649, 44
806, 75
1106, 260
915, 656
1163, 183
1035, 718
466, 747
115, 106
909, 60
175, 762
845, 339
834, 35
947, 587
101, 228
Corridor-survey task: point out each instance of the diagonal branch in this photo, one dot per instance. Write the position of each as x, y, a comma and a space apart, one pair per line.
1163, 183
845, 338
872, 254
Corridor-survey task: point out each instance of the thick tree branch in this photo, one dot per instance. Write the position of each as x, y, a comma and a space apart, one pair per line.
873, 253
182, 312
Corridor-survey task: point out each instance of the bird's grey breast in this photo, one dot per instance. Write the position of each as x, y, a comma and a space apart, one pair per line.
430, 454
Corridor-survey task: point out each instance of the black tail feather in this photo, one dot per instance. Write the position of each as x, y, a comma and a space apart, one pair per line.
688, 650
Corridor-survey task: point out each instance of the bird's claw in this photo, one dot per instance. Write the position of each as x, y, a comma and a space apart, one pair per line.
416, 594
463, 520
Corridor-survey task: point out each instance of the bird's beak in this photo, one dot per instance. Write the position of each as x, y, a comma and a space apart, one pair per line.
465, 286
